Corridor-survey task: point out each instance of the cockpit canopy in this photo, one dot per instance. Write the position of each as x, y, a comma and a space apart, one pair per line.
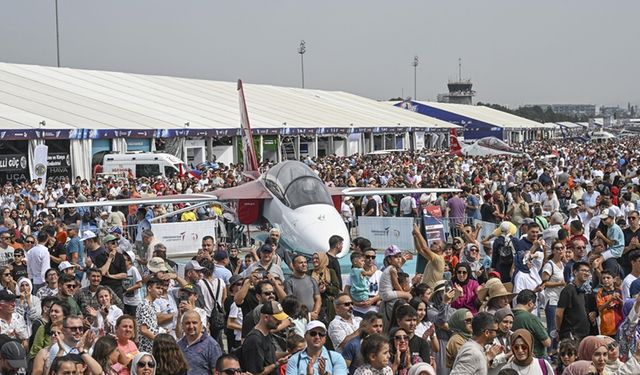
495, 143
296, 185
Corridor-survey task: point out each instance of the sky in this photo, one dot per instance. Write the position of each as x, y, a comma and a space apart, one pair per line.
515, 52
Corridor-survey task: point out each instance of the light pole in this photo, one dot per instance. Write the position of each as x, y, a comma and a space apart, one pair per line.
415, 75
301, 50
57, 37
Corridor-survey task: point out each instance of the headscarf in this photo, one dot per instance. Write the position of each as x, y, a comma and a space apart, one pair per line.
502, 313
528, 340
419, 368
322, 273
577, 368
137, 358
466, 257
589, 345
22, 280
457, 324
455, 276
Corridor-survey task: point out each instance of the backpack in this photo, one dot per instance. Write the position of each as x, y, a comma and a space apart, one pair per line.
217, 320
505, 250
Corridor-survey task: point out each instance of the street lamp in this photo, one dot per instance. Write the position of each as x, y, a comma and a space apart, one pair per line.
301, 50
415, 74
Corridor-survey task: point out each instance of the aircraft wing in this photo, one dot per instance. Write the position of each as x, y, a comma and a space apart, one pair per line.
163, 199
249, 190
360, 192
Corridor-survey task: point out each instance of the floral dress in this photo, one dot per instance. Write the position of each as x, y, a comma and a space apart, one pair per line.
367, 369
146, 315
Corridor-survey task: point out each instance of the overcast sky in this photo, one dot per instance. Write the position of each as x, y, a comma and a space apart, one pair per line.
516, 52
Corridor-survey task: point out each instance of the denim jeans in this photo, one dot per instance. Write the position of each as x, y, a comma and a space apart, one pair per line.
550, 314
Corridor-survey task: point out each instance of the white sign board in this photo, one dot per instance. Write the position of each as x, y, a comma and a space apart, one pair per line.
183, 239
418, 140
385, 231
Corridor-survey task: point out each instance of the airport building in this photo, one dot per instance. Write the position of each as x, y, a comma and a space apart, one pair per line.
480, 121
83, 114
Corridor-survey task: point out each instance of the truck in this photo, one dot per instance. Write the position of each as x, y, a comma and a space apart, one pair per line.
143, 164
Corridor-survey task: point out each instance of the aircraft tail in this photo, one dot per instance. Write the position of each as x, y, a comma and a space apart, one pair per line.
251, 168
455, 147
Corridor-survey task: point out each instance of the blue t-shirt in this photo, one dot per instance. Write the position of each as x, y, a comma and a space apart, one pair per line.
359, 285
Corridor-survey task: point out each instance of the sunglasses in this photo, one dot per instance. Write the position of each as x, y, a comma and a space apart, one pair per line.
347, 304
6, 274
468, 321
317, 334
474, 250
31, 242
75, 329
567, 354
401, 338
149, 364
520, 347
70, 286
269, 293
231, 371
462, 272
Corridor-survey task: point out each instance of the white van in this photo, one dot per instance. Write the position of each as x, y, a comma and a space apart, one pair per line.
138, 164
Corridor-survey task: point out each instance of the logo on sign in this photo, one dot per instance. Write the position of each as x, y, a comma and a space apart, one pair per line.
40, 169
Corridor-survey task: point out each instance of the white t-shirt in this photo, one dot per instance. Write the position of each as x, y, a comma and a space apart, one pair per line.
133, 276
626, 284
236, 313
374, 281
553, 294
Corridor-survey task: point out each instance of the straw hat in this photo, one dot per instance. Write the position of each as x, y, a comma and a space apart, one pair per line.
495, 288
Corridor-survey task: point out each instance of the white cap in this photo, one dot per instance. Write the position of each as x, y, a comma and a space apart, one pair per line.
572, 206
87, 234
64, 265
606, 213
315, 324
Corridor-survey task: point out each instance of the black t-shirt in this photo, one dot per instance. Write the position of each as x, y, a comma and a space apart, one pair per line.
372, 206
19, 271
575, 320
258, 352
118, 265
486, 211
70, 218
56, 250
335, 265
248, 305
624, 259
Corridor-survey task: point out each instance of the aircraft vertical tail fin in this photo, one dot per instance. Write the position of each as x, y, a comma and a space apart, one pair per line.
455, 147
251, 168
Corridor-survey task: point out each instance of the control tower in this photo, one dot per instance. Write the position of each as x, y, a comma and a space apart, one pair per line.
460, 90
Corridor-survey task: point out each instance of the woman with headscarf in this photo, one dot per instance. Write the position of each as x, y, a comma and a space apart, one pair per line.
462, 277
523, 360
328, 285
596, 350
439, 311
577, 368
143, 364
28, 306
504, 317
460, 326
471, 256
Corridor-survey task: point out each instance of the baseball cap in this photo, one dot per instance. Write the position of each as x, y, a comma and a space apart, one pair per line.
607, 213
315, 324
6, 295
115, 229
87, 234
64, 265
192, 265
274, 308
392, 250
109, 237
157, 264
189, 289
572, 206
15, 354
266, 248
131, 255
234, 279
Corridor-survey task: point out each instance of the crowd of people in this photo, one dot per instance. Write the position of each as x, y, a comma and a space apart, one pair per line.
538, 272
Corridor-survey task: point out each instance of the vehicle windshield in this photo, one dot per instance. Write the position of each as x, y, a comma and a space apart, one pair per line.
495, 143
296, 185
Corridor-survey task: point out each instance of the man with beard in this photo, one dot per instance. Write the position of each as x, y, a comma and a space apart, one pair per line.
254, 293
304, 287
258, 350
345, 326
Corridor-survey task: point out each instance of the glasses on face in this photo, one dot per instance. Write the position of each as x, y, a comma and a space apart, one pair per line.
517, 347
473, 250
149, 364
567, 354
74, 329
401, 338
346, 304
585, 270
31, 242
269, 293
317, 334
70, 286
6, 274
461, 272
468, 320
231, 371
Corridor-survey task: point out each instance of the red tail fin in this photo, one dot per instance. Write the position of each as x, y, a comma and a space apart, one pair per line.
251, 167
455, 147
